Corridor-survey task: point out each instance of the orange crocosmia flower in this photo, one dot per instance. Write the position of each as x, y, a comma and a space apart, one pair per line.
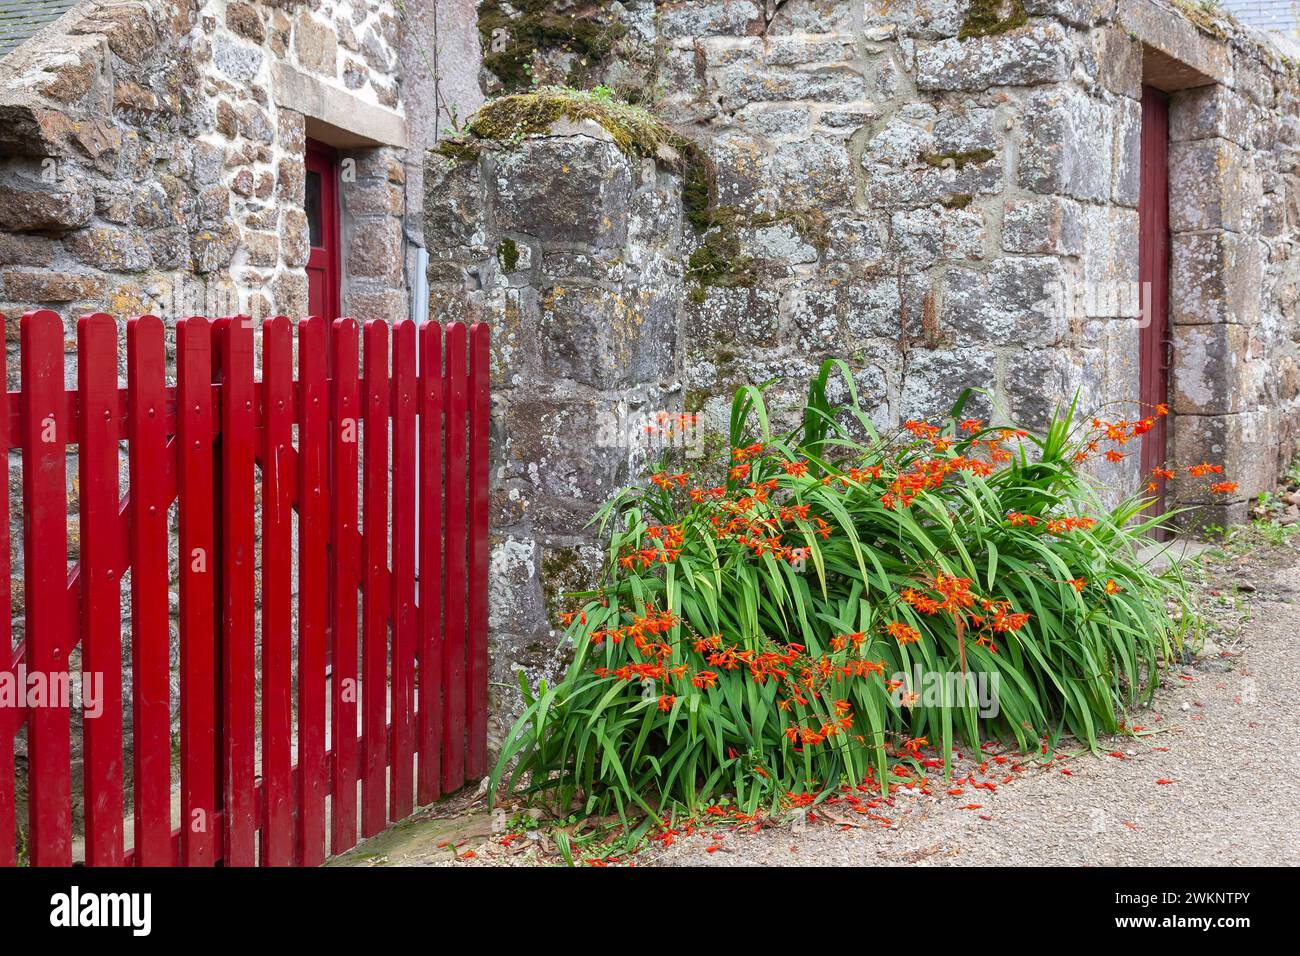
1162, 409
739, 472
1077, 583
1114, 456
903, 633
1223, 487
1015, 518
666, 702
795, 468
705, 679
1203, 469
1112, 587
1164, 473
971, 425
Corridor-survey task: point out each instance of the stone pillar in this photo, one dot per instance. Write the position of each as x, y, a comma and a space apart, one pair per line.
1220, 410
571, 250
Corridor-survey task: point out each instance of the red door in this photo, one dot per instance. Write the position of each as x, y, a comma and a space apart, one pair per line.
322, 208
1153, 274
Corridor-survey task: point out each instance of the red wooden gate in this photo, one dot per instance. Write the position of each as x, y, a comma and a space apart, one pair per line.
271, 744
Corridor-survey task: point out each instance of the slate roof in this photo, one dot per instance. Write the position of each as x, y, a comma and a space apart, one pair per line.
19, 19
1280, 15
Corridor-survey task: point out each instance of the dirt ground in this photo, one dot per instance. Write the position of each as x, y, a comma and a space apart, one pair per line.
1212, 778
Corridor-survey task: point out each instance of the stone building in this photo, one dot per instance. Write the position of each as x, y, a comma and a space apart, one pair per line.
219, 156
945, 193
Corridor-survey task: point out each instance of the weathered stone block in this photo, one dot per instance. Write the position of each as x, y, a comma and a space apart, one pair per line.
376, 249
27, 205
114, 250
20, 250
563, 189
1216, 186
1035, 53
922, 237
1067, 145
693, 19
563, 448
1052, 225
1209, 111
608, 339
1110, 258
1127, 160
814, 173
1212, 370
1036, 385
934, 378
45, 286
1214, 277
316, 45
745, 316
923, 19
1241, 442
1015, 302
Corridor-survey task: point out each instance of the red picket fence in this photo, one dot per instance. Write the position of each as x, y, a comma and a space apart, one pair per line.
260, 770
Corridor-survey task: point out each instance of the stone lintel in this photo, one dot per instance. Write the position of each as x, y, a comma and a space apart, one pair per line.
1177, 55
334, 115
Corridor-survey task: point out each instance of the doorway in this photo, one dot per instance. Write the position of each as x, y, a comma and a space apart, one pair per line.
321, 206
1155, 346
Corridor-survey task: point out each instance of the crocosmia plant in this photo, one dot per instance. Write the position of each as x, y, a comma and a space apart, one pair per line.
824, 607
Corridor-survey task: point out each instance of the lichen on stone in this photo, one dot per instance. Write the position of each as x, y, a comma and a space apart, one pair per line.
991, 17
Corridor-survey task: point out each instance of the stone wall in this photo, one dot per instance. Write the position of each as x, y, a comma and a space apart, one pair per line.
571, 250
942, 193
945, 193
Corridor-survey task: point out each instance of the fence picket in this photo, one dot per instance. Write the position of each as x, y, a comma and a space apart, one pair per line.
430, 580
343, 587
277, 581
150, 638
455, 569
374, 597
479, 375
8, 788
402, 601
238, 679
46, 429
313, 530
197, 556
101, 606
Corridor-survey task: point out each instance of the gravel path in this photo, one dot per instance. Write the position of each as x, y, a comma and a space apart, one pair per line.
1231, 749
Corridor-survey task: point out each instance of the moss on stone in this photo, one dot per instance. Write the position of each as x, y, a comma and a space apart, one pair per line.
957, 201
564, 573
719, 262
458, 149
958, 159
508, 254
636, 131
809, 223
530, 27
991, 17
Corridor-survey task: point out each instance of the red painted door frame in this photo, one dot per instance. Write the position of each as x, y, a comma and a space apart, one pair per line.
1155, 347
323, 271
